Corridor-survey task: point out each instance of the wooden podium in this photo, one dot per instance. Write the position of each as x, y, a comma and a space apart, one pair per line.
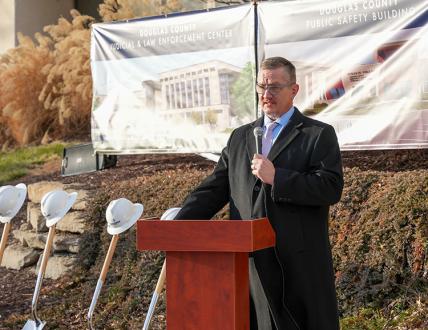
206, 268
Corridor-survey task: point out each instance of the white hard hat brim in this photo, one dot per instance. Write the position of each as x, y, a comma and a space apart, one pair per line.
125, 225
70, 201
171, 213
20, 201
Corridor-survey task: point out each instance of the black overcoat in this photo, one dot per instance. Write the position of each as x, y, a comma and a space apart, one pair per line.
297, 275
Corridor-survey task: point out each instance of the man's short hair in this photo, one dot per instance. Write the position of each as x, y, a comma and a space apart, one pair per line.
272, 63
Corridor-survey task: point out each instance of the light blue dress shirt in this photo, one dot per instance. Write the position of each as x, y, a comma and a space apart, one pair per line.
281, 121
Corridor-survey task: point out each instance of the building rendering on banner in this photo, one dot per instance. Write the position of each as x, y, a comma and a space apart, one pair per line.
199, 93
321, 85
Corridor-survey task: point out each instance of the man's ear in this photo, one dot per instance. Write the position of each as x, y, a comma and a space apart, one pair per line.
295, 89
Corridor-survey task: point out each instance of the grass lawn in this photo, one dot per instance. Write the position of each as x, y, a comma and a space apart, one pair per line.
15, 163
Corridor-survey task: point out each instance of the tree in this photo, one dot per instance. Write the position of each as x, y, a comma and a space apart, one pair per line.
243, 97
67, 92
113, 10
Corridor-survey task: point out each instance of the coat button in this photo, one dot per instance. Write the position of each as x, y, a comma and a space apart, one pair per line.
256, 188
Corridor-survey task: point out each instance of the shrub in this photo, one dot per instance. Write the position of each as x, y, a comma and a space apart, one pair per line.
23, 117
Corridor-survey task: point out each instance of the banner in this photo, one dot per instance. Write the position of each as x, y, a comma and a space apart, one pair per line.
172, 84
362, 66
182, 83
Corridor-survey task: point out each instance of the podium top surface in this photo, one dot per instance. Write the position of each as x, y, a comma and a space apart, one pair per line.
205, 235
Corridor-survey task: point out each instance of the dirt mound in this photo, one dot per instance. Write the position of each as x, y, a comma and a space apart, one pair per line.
379, 234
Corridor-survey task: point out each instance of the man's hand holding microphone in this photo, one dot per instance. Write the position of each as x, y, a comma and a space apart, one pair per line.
261, 167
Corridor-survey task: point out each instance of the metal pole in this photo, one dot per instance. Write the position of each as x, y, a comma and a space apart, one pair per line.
256, 52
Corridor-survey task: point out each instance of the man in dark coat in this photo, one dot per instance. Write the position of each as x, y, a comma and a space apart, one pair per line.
292, 284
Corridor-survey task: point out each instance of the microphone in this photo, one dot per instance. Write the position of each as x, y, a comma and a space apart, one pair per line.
258, 133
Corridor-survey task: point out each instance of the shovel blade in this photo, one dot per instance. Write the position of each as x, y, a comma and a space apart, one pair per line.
32, 325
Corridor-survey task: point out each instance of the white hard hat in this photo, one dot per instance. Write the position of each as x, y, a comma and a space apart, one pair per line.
121, 214
171, 213
55, 205
11, 200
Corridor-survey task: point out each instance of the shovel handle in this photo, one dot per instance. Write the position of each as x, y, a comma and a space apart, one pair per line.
108, 258
155, 297
4, 237
46, 253
161, 279
47, 250
102, 278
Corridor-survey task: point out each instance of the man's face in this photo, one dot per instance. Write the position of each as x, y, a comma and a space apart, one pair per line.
274, 106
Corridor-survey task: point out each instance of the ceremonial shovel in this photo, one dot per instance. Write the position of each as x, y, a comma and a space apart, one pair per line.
121, 215
36, 323
11, 200
168, 215
54, 205
102, 278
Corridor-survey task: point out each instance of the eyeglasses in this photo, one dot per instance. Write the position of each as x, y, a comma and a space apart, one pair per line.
272, 89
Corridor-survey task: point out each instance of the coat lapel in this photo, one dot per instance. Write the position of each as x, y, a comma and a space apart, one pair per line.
287, 135
251, 140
